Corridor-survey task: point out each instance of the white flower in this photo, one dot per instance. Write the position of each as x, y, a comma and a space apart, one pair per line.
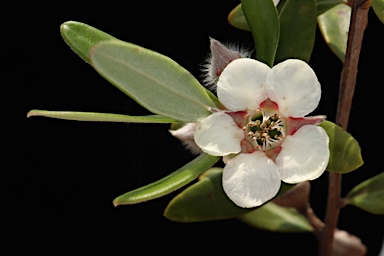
263, 135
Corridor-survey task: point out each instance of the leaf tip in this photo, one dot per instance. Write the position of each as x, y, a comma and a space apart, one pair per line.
115, 203
31, 113
64, 27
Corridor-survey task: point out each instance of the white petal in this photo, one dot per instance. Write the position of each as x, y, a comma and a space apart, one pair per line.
242, 84
304, 155
293, 85
218, 135
250, 180
276, 2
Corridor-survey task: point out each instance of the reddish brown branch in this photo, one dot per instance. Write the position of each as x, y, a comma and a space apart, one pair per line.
358, 23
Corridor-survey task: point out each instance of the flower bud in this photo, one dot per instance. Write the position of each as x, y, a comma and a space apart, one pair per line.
346, 244
221, 55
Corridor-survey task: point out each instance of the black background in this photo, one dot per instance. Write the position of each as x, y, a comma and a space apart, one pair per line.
61, 176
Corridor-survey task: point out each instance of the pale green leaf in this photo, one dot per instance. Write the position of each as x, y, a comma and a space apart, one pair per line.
345, 152
170, 183
275, 218
100, 117
368, 195
81, 37
153, 80
334, 26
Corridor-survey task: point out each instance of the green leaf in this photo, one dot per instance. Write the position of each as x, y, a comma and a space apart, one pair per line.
275, 218
334, 26
237, 19
81, 37
378, 8
368, 195
170, 183
345, 152
206, 200
153, 80
215, 100
325, 5
297, 30
203, 201
100, 117
262, 18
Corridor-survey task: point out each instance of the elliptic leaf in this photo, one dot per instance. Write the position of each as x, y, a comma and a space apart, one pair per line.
153, 80
203, 201
263, 20
237, 19
100, 117
170, 183
325, 5
81, 37
275, 218
368, 195
345, 152
297, 30
206, 200
378, 8
334, 26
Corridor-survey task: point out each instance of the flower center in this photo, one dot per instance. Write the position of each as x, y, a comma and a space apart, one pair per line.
265, 128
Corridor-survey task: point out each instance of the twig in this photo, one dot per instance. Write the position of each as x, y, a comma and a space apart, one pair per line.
358, 23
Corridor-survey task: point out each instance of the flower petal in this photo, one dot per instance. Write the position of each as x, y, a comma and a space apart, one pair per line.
250, 180
218, 135
293, 85
242, 84
304, 155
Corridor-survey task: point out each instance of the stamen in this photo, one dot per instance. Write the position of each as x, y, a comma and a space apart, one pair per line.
265, 131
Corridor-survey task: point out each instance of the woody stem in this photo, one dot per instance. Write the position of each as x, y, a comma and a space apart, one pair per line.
358, 23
